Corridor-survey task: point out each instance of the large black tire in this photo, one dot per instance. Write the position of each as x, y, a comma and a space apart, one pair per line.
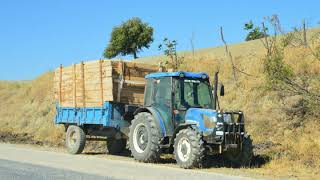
241, 158
144, 138
188, 148
75, 139
116, 146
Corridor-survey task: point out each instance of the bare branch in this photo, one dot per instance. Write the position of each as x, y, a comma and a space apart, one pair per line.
228, 54
192, 45
304, 31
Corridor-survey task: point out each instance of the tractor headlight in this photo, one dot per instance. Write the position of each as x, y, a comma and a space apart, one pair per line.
203, 76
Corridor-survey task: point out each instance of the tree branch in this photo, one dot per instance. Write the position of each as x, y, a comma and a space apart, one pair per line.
229, 55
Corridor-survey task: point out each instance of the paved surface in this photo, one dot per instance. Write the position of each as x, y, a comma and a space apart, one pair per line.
22, 163
23, 171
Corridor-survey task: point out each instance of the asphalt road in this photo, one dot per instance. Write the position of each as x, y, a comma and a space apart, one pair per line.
24, 171
17, 162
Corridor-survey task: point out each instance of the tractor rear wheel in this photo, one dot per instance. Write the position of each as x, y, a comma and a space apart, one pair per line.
75, 139
238, 157
116, 146
188, 148
144, 138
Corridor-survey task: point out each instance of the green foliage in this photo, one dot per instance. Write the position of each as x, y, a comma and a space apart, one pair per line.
248, 26
254, 32
292, 83
315, 43
169, 48
278, 73
129, 38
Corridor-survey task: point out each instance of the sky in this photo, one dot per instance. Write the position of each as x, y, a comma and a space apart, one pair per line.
37, 36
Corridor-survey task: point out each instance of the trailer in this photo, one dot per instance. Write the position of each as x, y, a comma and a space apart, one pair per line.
96, 101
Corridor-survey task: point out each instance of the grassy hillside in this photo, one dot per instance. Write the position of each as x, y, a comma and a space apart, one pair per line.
27, 111
245, 50
286, 143
289, 140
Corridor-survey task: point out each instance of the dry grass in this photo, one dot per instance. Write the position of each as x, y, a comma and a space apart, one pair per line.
28, 107
293, 150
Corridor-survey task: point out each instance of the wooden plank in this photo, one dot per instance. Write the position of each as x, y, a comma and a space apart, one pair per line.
101, 82
89, 92
96, 78
121, 79
105, 73
74, 86
96, 65
97, 87
88, 104
131, 82
67, 69
60, 83
83, 86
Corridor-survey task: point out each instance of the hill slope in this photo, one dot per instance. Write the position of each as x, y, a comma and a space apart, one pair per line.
27, 111
286, 143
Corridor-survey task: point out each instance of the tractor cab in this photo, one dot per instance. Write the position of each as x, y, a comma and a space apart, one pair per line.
182, 98
172, 94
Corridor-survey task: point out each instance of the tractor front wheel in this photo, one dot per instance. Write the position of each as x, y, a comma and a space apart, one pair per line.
188, 148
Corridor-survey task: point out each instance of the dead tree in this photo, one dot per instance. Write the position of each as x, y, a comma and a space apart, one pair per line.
268, 42
192, 45
304, 31
229, 55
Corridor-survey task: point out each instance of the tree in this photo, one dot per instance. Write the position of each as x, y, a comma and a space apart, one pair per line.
129, 38
254, 32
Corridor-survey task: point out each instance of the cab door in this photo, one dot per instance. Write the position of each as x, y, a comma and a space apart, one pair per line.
158, 94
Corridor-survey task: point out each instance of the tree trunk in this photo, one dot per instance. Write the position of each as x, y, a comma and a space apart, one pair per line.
304, 29
135, 55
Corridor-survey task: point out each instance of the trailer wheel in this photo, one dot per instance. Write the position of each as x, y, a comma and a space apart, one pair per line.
116, 146
75, 139
144, 138
242, 157
188, 148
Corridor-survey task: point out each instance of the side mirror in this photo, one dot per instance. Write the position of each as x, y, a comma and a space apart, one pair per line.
222, 90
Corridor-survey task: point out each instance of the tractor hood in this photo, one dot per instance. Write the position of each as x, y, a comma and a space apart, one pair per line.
206, 120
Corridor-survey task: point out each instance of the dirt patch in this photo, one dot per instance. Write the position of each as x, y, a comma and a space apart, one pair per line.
23, 138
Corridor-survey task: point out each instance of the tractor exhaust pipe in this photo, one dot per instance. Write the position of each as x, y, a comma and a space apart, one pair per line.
215, 90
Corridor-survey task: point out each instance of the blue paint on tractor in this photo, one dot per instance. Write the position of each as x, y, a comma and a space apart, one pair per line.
195, 116
109, 115
157, 115
201, 75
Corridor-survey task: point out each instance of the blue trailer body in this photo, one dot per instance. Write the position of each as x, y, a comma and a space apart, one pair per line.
109, 115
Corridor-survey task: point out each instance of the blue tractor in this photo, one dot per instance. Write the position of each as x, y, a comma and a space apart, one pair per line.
180, 115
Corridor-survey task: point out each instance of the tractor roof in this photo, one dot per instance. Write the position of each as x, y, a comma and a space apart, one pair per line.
199, 75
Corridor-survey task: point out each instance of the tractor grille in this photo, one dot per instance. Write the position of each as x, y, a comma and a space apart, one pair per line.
233, 133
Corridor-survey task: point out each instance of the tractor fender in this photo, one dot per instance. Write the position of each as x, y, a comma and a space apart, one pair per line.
159, 121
